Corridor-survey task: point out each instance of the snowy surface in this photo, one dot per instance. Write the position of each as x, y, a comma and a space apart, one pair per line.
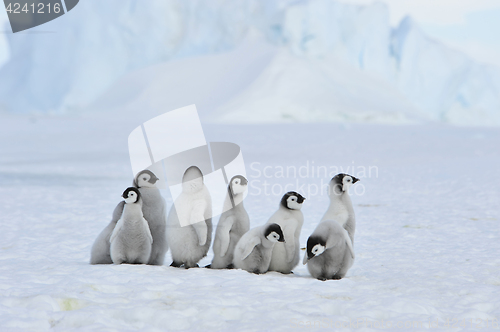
426, 241
332, 61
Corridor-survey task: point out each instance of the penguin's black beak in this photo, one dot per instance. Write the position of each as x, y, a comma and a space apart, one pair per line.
354, 180
282, 239
153, 180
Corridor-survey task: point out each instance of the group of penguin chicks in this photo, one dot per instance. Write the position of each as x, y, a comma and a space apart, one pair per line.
139, 233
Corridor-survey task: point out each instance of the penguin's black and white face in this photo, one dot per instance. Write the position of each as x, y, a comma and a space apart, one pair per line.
146, 179
292, 200
238, 184
344, 181
274, 233
315, 247
131, 195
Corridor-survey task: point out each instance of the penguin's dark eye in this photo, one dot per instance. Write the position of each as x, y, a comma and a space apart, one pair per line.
144, 179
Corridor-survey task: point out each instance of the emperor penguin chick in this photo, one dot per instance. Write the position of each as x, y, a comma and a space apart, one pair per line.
340, 208
341, 212
154, 209
233, 223
286, 255
329, 251
131, 239
193, 210
254, 249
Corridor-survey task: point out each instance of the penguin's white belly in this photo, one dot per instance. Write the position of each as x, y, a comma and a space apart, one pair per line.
341, 215
131, 245
279, 261
278, 258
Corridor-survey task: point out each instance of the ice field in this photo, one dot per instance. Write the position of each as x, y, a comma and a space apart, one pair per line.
426, 243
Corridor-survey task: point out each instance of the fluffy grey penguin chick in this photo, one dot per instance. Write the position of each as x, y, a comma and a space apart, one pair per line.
338, 221
233, 223
329, 251
154, 209
340, 208
193, 207
286, 255
131, 239
254, 249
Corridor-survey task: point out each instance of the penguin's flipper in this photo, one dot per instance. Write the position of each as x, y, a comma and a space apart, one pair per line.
254, 241
289, 234
117, 212
116, 231
201, 231
148, 230
224, 236
349, 243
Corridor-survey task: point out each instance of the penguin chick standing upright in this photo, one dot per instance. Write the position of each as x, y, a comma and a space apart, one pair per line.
337, 224
286, 255
340, 208
193, 208
254, 249
233, 223
131, 239
329, 248
154, 209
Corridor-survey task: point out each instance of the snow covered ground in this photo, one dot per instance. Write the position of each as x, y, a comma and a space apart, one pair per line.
426, 242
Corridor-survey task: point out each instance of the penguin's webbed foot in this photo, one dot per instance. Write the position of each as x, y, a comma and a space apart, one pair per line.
336, 277
175, 264
209, 266
230, 266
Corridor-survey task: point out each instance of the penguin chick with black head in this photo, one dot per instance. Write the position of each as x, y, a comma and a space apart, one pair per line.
329, 251
233, 223
131, 239
340, 208
286, 256
154, 209
254, 249
189, 222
